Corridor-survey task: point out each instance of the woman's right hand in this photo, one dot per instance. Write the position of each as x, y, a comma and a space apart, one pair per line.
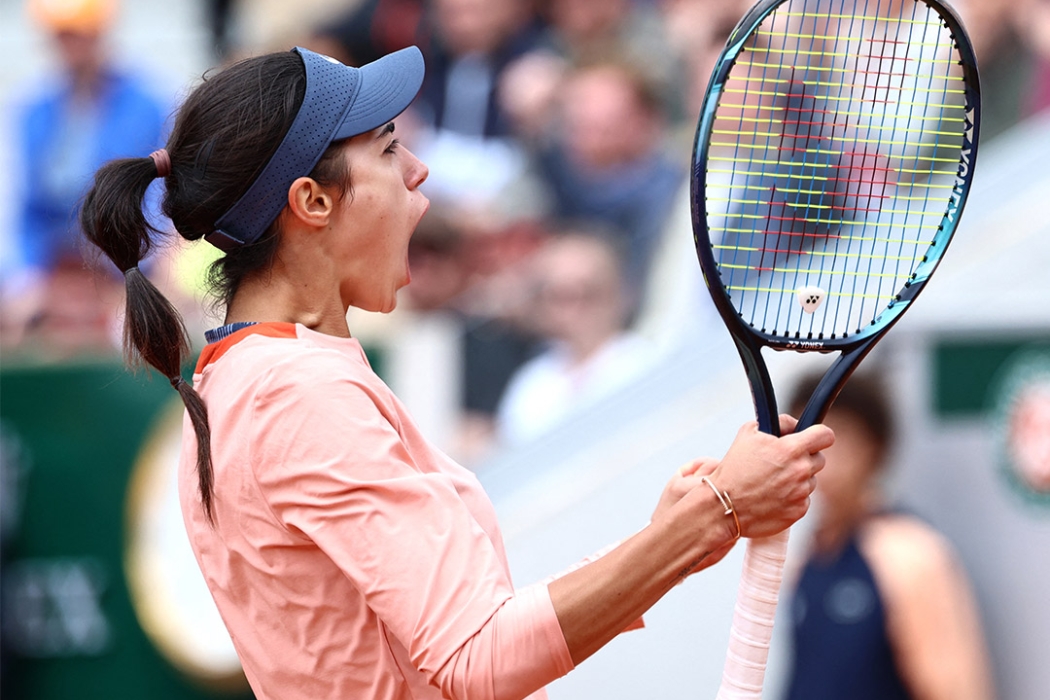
770, 479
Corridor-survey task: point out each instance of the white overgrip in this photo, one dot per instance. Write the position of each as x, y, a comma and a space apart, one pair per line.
756, 606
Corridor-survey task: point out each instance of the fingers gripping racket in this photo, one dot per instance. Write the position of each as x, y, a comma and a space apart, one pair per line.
833, 157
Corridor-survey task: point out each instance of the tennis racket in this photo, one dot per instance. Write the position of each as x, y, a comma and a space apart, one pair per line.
833, 157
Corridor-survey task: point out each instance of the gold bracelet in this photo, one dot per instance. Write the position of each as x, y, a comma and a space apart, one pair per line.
727, 503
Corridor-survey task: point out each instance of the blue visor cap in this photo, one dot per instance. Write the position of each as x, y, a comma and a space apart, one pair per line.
340, 102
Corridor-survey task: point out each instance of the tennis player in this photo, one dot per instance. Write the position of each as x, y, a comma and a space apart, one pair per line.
348, 557
883, 609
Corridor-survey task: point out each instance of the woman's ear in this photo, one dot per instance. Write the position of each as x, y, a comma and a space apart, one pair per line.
309, 202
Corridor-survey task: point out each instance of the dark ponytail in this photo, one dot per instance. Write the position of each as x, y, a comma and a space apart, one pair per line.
113, 220
225, 133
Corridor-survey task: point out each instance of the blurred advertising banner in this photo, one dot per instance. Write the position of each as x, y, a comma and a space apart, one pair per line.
101, 597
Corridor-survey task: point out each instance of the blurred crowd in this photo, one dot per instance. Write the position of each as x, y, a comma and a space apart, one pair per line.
558, 136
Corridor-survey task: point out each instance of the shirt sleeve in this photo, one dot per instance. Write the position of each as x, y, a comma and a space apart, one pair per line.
336, 470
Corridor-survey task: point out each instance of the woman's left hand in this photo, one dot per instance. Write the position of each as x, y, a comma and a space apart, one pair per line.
684, 480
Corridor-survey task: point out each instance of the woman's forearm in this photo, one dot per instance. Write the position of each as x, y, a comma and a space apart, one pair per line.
598, 601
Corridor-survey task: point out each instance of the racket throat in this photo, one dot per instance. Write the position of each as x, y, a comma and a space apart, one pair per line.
831, 384
760, 383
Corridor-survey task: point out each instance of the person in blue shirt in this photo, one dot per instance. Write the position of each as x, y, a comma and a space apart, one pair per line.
85, 113
89, 114
883, 609
607, 162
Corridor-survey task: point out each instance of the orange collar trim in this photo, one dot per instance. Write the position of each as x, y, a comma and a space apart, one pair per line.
273, 329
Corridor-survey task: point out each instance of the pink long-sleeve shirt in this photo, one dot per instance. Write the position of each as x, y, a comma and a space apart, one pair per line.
349, 558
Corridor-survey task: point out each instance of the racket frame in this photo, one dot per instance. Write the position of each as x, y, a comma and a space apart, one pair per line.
853, 348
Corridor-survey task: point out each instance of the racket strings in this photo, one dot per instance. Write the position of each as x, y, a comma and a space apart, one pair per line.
832, 160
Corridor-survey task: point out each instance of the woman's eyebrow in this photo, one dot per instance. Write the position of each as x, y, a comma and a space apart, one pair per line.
388, 129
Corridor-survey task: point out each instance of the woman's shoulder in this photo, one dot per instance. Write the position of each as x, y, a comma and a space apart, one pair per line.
903, 551
903, 537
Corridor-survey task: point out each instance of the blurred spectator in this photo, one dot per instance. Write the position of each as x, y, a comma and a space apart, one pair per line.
94, 112
581, 309
1005, 60
88, 113
421, 340
1011, 39
883, 608
440, 270
608, 161
72, 314
459, 331
371, 29
469, 143
581, 31
471, 42
674, 287
697, 30
499, 333
527, 93
478, 176
1033, 17
253, 26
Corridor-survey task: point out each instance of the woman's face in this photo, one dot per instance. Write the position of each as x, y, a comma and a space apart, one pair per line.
850, 467
373, 223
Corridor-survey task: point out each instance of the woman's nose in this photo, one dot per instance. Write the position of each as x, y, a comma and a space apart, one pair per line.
416, 172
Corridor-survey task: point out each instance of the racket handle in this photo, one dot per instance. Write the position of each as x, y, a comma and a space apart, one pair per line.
756, 606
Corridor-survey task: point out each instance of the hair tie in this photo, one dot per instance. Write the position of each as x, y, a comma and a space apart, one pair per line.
176, 381
162, 160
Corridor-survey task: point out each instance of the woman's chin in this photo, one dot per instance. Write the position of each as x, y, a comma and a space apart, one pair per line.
389, 304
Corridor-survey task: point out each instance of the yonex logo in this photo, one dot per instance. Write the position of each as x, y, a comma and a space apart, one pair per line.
964, 171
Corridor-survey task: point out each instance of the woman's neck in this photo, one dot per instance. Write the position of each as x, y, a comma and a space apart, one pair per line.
271, 298
835, 529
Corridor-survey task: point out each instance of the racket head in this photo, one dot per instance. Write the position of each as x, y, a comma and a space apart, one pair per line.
833, 158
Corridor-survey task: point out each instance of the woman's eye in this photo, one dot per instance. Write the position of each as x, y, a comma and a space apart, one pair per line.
392, 147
